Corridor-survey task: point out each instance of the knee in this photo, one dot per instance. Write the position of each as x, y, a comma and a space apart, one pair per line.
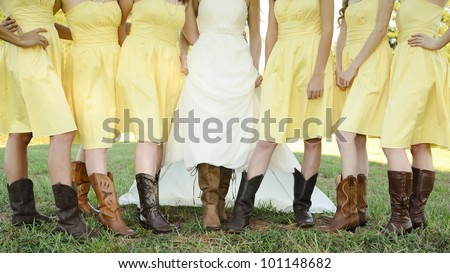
389, 153
265, 146
345, 138
312, 144
66, 138
23, 139
420, 149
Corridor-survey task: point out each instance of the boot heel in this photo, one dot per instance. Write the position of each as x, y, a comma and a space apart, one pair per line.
352, 230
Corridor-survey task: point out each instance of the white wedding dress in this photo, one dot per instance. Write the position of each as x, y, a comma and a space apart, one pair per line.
220, 90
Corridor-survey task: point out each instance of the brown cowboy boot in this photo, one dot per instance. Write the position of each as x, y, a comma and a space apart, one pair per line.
225, 177
21, 199
208, 180
400, 188
362, 203
149, 216
245, 201
81, 180
67, 216
109, 215
302, 199
346, 217
423, 181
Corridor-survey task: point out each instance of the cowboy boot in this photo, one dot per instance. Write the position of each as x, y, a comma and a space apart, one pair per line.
149, 215
109, 215
400, 188
81, 180
423, 181
209, 180
67, 216
302, 199
362, 203
21, 199
245, 201
346, 217
225, 177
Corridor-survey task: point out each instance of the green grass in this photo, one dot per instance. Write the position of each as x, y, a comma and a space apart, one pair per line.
270, 231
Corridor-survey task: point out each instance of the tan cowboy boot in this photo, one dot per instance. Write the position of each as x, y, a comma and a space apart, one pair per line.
109, 215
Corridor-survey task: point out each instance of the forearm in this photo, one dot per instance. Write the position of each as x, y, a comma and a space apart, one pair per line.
374, 40
63, 32
323, 52
122, 33
271, 40
8, 36
184, 46
255, 48
444, 40
340, 45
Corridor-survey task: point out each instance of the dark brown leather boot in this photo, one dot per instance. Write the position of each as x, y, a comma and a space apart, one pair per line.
423, 181
225, 177
21, 199
362, 203
302, 199
81, 180
346, 217
67, 216
109, 215
245, 201
400, 188
149, 216
208, 180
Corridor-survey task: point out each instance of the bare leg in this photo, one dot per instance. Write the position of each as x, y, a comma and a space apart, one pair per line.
259, 163
349, 155
311, 157
363, 161
147, 158
16, 160
422, 157
159, 157
81, 155
95, 161
397, 160
59, 158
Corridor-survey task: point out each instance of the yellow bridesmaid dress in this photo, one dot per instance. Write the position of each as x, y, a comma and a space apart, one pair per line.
363, 111
90, 71
149, 77
34, 99
418, 108
289, 69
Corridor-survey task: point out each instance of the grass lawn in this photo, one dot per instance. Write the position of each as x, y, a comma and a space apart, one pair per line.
270, 231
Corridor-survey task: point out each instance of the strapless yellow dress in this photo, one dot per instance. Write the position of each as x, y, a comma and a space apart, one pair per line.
418, 108
288, 72
90, 71
33, 98
149, 77
365, 102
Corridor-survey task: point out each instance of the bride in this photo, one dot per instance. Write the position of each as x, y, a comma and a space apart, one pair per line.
214, 127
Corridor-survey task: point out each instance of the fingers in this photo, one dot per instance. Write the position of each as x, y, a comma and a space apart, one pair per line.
314, 94
10, 24
258, 81
39, 30
417, 35
44, 41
